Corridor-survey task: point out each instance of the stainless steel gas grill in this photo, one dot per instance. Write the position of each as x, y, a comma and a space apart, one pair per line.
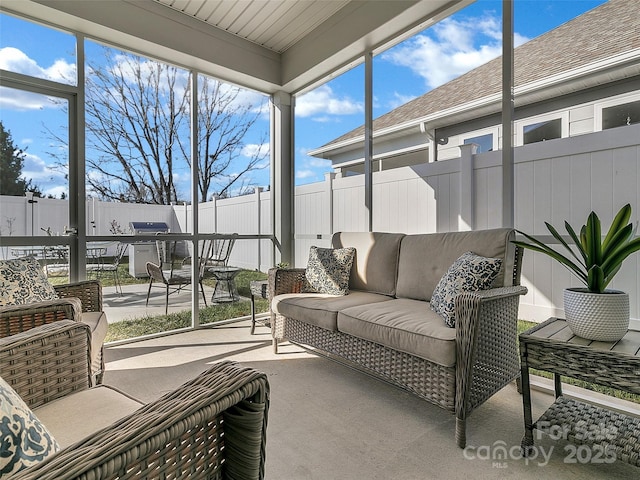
145, 250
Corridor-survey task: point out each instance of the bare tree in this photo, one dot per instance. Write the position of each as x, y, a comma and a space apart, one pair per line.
137, 120
221, 139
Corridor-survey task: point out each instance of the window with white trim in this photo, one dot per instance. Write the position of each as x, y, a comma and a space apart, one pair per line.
542, 128
621, 115
486, 139
617, 112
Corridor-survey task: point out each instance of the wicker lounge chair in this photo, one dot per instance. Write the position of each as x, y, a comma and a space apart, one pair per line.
79, 301
209, 428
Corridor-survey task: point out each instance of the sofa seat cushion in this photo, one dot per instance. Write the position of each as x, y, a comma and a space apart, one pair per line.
79, 415
406, 325
320, 309
97, 322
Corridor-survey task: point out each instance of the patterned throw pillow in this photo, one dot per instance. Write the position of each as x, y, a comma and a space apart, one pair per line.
24, 441
469, 273
328, 270
23, 281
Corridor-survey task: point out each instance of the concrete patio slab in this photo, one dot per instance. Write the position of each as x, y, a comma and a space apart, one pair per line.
328, 421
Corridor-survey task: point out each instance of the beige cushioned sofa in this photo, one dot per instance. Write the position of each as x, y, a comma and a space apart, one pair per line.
386, 326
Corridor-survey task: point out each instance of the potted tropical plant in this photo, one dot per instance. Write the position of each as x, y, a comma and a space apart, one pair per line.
594, 312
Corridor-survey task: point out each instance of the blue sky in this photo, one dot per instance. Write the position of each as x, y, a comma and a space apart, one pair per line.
428, 59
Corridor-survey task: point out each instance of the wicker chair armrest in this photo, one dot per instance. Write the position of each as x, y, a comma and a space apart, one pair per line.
468, 310
285, 280
19, 318
486, 343
47, 362
179, 435
88, 291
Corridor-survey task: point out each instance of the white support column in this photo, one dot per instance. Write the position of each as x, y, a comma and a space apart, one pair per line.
257, 192
282, 176
507, 115
195, 203
466, 219
368, 137
328, 192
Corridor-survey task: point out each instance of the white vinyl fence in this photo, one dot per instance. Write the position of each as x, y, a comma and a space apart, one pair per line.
556, 180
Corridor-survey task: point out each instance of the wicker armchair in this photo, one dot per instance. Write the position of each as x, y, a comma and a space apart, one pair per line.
211, 427
80, 301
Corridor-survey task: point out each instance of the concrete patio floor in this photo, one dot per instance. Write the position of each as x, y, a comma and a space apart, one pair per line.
328, 421
132, 303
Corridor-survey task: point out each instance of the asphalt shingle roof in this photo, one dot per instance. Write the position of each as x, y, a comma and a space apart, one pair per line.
600, 33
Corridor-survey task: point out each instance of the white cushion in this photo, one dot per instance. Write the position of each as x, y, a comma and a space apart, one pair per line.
79, 415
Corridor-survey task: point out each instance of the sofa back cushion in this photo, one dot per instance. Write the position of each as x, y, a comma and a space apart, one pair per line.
375, 267
424, 258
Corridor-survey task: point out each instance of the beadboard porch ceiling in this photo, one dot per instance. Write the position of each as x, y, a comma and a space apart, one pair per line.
274, 45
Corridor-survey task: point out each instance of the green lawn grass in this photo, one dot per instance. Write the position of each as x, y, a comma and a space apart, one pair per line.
148, 325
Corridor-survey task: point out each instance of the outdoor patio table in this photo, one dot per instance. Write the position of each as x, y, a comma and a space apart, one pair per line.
225, 289
603, 435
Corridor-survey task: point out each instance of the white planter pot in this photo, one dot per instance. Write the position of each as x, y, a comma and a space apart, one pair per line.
597, 316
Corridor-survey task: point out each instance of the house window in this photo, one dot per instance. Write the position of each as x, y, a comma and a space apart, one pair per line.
484, 142
621, 115
541, 131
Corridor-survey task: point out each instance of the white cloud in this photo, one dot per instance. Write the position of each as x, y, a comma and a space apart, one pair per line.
305, 174
15, 60
320, 163
324, 101
451, 48
21, 100
50, 179
252, 150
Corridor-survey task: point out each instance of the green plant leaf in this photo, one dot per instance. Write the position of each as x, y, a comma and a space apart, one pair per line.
621, 219
617, 241
576, 241
617, 257
558, 237
539, 246
595, 279
609, 276
594, 239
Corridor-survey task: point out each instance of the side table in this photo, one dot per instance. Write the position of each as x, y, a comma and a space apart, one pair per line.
225, 289
258, 288
552, 346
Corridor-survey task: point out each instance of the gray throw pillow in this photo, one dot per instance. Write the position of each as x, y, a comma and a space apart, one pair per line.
328, 270
469, 273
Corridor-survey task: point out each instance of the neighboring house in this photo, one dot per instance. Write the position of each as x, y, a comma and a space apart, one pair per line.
579, 78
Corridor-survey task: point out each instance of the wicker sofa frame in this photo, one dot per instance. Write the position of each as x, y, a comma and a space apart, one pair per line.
486, 347
75, 298
212, 427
